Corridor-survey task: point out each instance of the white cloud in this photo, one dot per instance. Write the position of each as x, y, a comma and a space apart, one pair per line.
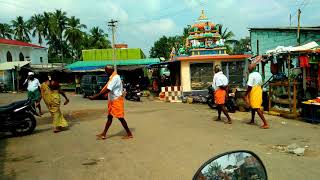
157, 27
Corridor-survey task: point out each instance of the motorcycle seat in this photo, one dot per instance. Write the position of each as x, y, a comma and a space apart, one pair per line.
12, 106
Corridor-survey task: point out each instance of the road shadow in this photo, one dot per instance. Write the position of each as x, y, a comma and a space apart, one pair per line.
41, 130
122, 133
3, 157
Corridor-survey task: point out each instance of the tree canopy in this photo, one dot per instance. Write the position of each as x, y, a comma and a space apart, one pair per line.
65, 36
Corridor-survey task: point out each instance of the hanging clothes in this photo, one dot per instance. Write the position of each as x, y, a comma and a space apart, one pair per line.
304, 61
274, 68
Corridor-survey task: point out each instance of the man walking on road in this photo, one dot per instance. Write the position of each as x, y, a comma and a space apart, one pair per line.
114, 89
254, 95
34, 90
220, 86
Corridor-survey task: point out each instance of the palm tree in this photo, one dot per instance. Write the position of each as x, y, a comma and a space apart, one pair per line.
5, 31
228, 37
73, 33
98, 39
21, 29
225, 34
46, 24
58, 23
36, 21
57, 26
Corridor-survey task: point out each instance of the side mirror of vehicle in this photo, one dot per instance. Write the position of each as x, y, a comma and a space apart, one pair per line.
233, 165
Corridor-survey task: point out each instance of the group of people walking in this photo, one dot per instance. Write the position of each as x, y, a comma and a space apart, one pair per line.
50, 92
253, 95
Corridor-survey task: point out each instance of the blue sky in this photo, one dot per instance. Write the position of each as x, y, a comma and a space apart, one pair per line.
141, 22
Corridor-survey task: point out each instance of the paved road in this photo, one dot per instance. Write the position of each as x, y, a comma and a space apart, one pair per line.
171, 141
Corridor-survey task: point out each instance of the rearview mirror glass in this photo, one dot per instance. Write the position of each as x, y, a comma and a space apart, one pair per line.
233, 166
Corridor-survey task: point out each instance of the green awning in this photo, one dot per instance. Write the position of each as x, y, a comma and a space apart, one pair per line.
95, 65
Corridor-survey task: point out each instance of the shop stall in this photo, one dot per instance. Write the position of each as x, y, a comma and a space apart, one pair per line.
294, 78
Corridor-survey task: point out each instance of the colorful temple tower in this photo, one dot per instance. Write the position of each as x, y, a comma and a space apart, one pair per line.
204, 48
204, 38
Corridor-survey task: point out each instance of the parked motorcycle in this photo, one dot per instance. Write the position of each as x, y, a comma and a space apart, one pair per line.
18, 118
230, 104
232, 165
210, 98
133, 92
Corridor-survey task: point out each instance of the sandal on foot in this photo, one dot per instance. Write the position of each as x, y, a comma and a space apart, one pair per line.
127, 137
250, 123
228, 122
264, 127
56, 131
101, 137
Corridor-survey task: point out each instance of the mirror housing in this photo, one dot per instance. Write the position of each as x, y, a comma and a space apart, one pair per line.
232, 165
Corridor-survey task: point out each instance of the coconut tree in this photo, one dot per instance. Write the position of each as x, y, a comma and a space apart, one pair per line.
225, 34
98, 39
73, 33
5, 31
57, 26
21, 29
36, 22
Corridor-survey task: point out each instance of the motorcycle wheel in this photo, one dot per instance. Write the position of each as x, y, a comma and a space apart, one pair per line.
27, 126
211, 104
136, 98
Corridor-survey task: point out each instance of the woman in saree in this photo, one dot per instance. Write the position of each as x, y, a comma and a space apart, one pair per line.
50, 90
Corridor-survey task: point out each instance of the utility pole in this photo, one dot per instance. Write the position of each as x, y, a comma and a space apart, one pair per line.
298, 32
112, 24
290, 20
304, 72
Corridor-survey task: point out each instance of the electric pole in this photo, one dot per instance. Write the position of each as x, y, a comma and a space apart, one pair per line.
304, 72
112, 24
290, 20
298, 33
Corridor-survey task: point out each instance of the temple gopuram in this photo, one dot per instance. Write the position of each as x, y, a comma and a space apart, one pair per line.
192, 64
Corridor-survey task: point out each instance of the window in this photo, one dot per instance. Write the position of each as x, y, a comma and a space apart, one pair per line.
21, 57
41, 60
201, 75
234, 71
9, 57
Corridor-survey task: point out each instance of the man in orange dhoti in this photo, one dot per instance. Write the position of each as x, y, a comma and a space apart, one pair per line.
220, 84
114, 89
254, 95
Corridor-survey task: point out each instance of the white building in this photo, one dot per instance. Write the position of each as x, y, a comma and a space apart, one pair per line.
16, 54
13, 50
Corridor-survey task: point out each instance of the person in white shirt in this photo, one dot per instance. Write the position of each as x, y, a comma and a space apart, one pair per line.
220, 86
254, 95
34, 93
114, 89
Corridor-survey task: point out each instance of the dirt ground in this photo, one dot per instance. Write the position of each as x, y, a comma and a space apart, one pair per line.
171, 141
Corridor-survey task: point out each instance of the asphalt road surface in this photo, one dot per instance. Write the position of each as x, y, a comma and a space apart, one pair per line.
170, 142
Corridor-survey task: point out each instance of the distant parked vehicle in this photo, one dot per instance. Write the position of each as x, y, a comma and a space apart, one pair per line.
92, 84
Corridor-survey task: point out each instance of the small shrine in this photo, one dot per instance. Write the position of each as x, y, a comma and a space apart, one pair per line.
203, 39
191, 65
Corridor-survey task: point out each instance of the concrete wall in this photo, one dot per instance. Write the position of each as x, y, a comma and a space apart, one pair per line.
185, 76
34, 54
270, 39
186, 73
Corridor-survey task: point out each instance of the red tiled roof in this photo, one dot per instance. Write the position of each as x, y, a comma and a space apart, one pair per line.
213, 57
18, 43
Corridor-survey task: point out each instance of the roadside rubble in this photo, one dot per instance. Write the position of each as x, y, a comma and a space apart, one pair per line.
292, 149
